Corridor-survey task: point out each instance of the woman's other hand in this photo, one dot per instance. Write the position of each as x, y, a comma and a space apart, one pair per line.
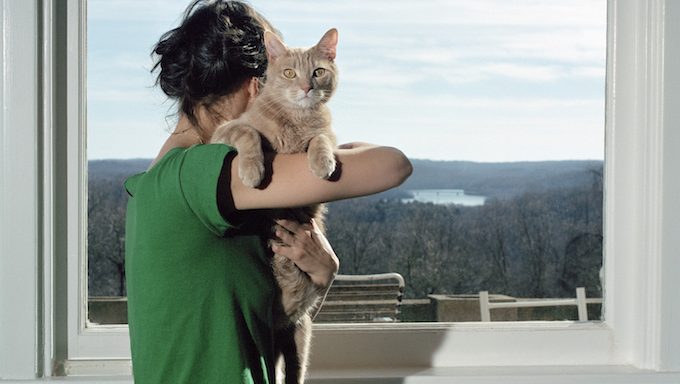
308, 248
354, 145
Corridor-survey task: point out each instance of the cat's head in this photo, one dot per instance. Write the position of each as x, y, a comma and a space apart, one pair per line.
302, 77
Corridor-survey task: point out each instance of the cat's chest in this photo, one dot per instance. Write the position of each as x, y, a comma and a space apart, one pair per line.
296, 132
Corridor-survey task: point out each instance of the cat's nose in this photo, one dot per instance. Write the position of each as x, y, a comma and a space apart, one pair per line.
306, 88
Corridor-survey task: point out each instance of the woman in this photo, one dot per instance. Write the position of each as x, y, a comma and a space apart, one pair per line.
200, 287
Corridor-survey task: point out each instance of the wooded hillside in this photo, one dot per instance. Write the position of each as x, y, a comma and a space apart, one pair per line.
538, 235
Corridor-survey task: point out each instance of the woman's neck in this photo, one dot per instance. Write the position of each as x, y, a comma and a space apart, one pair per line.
189, 132
185, 135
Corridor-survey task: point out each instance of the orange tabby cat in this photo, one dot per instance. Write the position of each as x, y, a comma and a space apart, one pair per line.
290, 116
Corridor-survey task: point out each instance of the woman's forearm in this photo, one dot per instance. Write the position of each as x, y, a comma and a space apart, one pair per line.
362, 170
372, 169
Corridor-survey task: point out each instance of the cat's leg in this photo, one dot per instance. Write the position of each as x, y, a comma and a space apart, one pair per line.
299, 296
294, 342
279, 338
248, 144
303, 339
321, 157
287, 363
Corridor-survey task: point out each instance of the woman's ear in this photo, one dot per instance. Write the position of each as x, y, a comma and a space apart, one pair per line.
253, 90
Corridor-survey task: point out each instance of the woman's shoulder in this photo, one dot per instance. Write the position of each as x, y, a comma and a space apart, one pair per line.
174, 159
195, 153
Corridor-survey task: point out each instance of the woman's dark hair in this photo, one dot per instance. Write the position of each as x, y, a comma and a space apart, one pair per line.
218, 45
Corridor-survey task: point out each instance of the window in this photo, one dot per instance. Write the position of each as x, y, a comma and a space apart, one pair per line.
482, 83
637, 240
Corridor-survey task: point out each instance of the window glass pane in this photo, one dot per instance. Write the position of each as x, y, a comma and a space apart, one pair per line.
126, 125
500, 106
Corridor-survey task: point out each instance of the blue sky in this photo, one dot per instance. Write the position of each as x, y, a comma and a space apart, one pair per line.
483, 80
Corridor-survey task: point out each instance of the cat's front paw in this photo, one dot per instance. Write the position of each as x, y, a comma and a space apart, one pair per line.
251, 171
322, 165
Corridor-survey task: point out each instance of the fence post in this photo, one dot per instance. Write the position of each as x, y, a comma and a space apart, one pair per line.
581, 304
484, 306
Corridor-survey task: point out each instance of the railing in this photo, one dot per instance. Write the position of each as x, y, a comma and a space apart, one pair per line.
581, 302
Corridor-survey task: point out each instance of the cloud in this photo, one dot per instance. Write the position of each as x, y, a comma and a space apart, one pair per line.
559, 44
408, 69
467, 42
408, 73
130, 95
436, 12
524, 72
125, 138
135, 10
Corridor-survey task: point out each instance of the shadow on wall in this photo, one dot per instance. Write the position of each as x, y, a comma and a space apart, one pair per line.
384, 344
377, 380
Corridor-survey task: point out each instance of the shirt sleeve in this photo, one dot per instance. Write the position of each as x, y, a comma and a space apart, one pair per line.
203, 183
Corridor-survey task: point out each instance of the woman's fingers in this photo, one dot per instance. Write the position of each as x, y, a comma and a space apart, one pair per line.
285, 236
283, 250
288, 225
294, 227
314, 227
308, 248
319, 238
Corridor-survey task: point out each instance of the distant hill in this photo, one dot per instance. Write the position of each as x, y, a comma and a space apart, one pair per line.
116, 168
500, 180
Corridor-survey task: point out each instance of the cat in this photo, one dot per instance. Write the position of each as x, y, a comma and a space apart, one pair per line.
290, 116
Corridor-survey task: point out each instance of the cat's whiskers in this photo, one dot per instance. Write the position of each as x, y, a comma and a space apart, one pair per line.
280, 105
275, 106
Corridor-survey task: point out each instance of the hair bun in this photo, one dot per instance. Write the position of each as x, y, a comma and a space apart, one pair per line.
217, 46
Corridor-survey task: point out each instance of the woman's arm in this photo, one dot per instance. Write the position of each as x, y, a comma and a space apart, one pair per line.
362, 170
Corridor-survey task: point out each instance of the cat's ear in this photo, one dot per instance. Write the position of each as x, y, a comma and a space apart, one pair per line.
328, 44
275, 47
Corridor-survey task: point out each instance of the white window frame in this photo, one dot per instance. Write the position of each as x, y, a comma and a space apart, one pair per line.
43, 323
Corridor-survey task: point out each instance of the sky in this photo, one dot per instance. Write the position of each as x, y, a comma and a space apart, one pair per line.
483, 80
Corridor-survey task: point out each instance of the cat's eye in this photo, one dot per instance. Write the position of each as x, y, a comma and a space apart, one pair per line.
289, 73
319, 72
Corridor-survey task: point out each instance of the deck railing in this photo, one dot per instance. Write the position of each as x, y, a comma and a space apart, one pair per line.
581, 302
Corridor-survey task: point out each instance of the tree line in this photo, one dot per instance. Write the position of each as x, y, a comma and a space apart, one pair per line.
541, 243
538, 244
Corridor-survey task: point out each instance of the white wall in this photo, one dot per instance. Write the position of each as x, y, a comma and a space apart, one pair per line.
19, 190
670, 326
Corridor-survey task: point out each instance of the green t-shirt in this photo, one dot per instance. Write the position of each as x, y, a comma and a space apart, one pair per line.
200, 289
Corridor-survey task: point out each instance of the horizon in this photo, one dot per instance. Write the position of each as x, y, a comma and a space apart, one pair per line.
486, 81
410, 158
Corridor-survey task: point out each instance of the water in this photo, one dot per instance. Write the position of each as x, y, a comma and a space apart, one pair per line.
445, 197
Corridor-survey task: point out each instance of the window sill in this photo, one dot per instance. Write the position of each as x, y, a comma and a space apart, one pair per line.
501, 375
486, 375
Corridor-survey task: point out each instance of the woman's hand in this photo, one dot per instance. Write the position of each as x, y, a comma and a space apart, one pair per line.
308, 248
354, 145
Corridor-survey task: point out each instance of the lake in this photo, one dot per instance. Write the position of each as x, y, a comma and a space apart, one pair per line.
445, 197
